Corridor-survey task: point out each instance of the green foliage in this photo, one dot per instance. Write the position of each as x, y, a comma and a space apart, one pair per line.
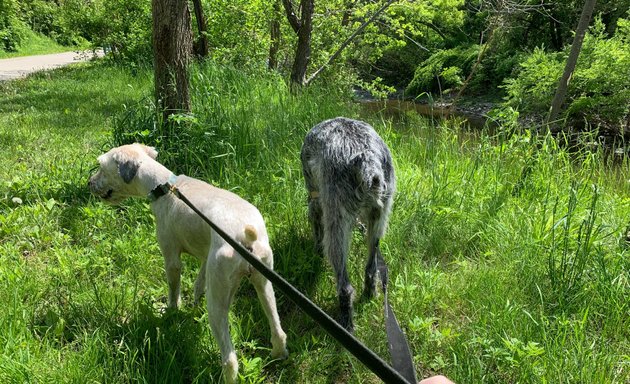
238, 31
393, 46
52, 19
443, 70
534, 86
122, 27
12, 30
34, 44
599, 89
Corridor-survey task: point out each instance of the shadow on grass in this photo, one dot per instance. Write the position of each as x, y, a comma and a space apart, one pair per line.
66, 100
168, 347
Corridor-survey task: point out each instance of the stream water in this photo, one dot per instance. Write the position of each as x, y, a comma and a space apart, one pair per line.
397, 108
475, 119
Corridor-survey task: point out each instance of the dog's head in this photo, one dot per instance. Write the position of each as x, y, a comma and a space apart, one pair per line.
115, 179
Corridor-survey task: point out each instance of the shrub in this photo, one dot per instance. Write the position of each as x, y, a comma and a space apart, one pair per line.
122, 27
444, 70
51, 19
11, 28
599, 90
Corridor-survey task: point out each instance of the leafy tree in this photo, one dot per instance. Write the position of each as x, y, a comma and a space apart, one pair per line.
122, 27
201, 48
275, 36
302, 26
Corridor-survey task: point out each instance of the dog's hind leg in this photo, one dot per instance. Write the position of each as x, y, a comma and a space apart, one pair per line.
267, 298
375, 230
337, 234
221, 285
315, 217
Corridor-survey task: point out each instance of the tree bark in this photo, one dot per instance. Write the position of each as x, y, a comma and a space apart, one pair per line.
172, 47
303, 28
202, 44
576, 47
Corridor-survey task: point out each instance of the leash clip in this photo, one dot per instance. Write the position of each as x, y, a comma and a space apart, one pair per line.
164, 189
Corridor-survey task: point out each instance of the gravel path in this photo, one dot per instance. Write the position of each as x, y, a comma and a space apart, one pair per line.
22, 66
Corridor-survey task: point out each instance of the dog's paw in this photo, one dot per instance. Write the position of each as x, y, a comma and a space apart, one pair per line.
369, 291
230, 369
279, 343
280, 354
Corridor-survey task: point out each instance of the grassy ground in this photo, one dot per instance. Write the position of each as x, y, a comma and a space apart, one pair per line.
35, 44
507, 254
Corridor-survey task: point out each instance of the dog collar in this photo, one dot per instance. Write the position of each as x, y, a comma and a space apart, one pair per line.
162, 189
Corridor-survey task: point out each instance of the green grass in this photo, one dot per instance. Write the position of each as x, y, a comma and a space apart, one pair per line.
507, 253
36, 44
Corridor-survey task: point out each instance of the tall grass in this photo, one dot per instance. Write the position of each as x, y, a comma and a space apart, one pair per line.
507, 252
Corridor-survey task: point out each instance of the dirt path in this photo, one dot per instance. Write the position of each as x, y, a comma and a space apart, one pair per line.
22, 66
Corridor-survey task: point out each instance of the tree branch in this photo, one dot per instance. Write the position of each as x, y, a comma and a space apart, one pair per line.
291, 16
348, 41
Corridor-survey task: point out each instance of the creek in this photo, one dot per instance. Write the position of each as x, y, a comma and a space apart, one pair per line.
475, 119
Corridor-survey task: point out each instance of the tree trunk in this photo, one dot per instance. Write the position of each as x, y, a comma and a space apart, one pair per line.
201, 49
576, 47
274, 47
172, 46
303, 28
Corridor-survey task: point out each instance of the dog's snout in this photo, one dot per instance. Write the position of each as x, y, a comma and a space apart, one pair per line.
92, 185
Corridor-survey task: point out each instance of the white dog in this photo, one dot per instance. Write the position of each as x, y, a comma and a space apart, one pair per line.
131, 170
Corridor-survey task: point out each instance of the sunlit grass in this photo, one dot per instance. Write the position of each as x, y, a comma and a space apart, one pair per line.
507, 253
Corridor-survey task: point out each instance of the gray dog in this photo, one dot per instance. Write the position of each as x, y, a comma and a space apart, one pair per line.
349, 174
131, 170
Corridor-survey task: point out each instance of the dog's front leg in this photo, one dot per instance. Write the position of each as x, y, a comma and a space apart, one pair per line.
173, 268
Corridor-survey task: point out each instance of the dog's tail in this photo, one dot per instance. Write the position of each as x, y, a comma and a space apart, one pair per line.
250, 236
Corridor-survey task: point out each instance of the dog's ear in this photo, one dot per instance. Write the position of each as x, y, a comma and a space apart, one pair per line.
128, 169
151, 151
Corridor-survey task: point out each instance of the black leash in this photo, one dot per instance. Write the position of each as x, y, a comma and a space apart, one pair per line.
371, 360
396, 340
